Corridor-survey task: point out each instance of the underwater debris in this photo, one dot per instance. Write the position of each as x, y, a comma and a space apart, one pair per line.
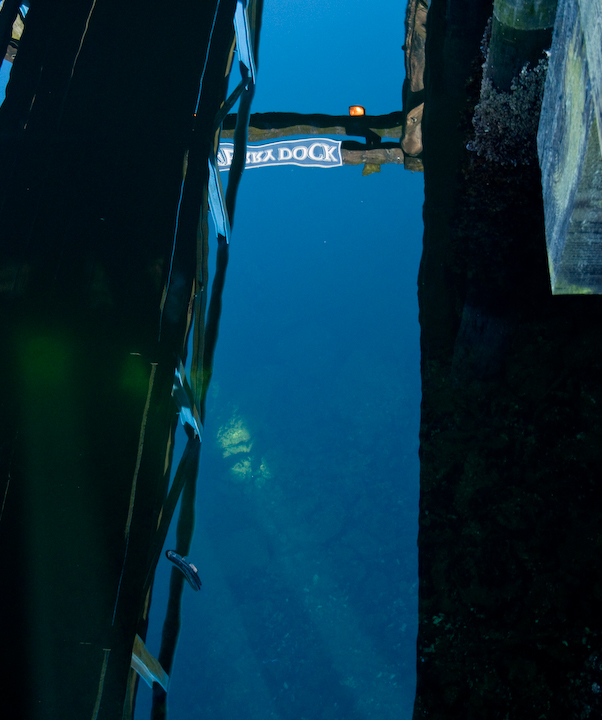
147, 666
186, 568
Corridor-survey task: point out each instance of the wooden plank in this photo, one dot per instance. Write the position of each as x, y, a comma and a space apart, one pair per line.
592, 31
569, 155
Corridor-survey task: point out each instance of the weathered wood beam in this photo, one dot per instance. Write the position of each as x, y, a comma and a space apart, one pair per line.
569, 150
267, 126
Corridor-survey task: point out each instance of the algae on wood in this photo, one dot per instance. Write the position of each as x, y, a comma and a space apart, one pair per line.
569, 151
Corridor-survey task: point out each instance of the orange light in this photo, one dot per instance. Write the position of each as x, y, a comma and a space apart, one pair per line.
356, 110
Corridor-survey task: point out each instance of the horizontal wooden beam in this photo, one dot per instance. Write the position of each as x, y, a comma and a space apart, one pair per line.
267, 126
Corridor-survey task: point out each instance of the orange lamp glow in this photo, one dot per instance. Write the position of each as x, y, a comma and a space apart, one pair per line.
356, 110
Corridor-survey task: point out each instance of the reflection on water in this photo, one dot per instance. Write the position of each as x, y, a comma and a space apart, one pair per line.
307, 511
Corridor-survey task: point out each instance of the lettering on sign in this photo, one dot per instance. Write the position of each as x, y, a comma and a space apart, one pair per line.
306, 152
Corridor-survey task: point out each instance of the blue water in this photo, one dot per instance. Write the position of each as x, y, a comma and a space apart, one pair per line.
307, 509
308, 490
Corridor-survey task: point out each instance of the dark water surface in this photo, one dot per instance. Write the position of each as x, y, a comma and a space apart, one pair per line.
307, 503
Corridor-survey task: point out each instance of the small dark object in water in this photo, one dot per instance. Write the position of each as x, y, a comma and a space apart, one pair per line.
187, 569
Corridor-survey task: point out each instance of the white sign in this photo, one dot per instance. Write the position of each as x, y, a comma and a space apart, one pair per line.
306, 152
